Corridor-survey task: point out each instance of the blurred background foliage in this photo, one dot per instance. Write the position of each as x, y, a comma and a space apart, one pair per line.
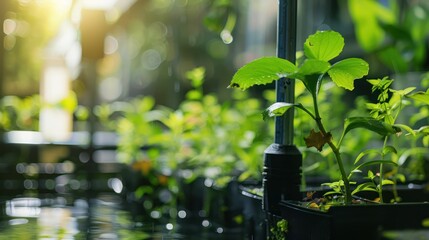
28, 27
150, 45
145, 86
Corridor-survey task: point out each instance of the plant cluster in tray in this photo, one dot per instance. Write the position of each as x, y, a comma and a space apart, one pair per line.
317, 68
204, 138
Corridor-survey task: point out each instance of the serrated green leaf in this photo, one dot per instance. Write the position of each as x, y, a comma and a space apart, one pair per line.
344, 72
324, 45
262, 71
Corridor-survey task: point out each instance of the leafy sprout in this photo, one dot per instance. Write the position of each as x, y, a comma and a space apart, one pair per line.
319, 50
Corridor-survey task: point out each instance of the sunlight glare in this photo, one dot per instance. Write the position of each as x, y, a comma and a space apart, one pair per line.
98, 4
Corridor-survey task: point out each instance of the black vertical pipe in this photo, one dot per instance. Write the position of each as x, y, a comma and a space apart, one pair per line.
281, 176
286, 48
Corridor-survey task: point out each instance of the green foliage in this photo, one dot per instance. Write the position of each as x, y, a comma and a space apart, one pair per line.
367, 16
369, 123
319, 49
420, 97
344, 72
19, 113
389, 106
213, 137
324, 46
279, 230
68, 103
134, 122
202, 138
262, 71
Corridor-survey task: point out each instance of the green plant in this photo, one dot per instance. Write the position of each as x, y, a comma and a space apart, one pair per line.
279, 230
203, 135
135, 122
22, 113
317, 164
387, 109
19, 113
169, 148
319, 49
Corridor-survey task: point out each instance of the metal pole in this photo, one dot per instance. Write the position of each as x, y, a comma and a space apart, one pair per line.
285, 88
281, 176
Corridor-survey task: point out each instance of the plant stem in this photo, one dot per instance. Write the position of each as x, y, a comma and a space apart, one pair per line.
380, 188
348, 192
335, 150
383, 155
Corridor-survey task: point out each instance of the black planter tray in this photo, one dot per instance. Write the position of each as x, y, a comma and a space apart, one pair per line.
360, 221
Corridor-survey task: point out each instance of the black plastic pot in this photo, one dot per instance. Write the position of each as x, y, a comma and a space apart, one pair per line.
254, 218
222, 206
192, 196
360, 221
281, 176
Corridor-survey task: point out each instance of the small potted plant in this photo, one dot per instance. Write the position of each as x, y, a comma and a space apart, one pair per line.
339, 213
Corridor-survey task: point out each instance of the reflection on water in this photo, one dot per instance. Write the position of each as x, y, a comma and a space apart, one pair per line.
23, 207
106, 217
33, 218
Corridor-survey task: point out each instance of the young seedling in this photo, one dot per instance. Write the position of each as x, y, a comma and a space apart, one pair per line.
319, 49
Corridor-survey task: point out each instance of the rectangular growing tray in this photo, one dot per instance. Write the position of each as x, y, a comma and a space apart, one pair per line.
360, 221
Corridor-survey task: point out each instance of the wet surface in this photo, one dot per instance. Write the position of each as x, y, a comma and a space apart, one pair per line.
104, 217
109, 217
